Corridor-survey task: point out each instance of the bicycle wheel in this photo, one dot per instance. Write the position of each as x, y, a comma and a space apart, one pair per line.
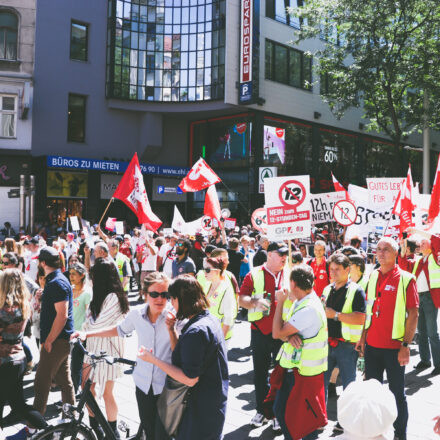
57, 432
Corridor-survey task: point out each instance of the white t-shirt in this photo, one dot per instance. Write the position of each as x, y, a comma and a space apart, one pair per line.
31, 264
422, 282
168, 255
306, 320
149, 260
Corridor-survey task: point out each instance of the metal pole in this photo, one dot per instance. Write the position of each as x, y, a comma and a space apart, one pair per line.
32, 204
22, 213
426, 145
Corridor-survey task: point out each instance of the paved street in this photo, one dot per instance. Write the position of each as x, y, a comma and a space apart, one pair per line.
421, 391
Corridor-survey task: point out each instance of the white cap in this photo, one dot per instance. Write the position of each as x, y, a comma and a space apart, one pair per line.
367, 410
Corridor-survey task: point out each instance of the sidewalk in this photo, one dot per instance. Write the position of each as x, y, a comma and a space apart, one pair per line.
421, 390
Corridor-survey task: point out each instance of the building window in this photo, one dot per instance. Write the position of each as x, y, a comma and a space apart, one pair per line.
79, 33
166, 50
8, 118
76, 117
8, 35
288, 66
277, 10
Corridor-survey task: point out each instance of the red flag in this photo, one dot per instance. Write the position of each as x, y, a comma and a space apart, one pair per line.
200, 176
212, 205
339, 187
434, 206
131, 191
406, 205
110, 224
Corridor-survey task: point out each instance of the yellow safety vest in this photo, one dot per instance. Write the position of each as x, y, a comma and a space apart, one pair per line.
350, 332
120, 260
363, 283
399, 318
258, 292
311, 359
433, 270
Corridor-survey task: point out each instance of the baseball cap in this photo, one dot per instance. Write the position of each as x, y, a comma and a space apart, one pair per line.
127, 236
48, 254
34, 240
278, 246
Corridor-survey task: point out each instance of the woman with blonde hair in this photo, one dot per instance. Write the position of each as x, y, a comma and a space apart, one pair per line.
14, 313
10, 245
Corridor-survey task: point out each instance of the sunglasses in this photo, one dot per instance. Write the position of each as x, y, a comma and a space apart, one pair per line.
164, 295
6, 263
209, 269
179, 244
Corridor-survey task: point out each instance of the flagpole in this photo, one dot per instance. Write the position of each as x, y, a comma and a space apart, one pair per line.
105, 212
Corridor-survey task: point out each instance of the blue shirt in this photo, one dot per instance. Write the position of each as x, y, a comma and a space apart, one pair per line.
57, 289
201, 352
182, 267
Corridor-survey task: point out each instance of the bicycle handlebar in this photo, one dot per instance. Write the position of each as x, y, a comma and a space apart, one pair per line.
103, 356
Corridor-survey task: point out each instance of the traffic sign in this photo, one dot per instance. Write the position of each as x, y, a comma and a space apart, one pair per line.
206, 223
292, 193
265, 173
344, 212
259, 220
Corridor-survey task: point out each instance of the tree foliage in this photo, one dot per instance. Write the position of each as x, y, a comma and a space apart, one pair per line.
379, 55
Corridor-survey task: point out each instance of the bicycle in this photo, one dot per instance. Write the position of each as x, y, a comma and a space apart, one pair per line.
75, 428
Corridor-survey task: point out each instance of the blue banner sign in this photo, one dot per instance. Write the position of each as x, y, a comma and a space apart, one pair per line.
112, 166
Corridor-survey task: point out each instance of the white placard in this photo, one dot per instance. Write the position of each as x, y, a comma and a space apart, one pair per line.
230, 223
383, 191
344, 212
74, 223
168, 231
119, 228
288, 207
322, 206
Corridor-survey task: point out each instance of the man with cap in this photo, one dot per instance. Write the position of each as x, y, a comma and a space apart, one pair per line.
56, 326
390, 324
257, 294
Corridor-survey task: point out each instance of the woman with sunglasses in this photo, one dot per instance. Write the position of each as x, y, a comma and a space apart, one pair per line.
154, 323
198, 360
220, 294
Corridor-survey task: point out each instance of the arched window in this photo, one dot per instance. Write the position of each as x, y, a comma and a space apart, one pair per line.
8, 35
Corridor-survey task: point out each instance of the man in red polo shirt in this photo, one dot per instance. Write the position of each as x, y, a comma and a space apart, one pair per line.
392, 312
319, 266
262, 282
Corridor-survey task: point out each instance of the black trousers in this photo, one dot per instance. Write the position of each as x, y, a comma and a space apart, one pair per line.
11, 391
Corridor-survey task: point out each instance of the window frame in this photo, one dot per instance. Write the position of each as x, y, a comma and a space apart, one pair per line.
79, 23
9, 112
5, 29
290, 50
288, 20
69, 137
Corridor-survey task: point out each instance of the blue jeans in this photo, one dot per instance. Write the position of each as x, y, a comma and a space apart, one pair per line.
279, 407
345, 357
264, 349
378, 360
428, 333
27, 352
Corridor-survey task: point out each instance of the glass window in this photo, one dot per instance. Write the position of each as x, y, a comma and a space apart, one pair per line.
8, 116
76, 118
281, 66
277, 9
8, 35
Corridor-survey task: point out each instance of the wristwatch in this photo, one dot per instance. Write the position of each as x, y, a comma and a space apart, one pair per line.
405, 344
336, 316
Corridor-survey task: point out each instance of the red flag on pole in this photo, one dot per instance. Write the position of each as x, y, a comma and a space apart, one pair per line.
110, 224
339, 187
406, 205
434, 206
200, 176
131, 191
212, 205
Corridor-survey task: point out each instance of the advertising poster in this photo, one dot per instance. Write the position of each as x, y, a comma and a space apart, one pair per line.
274, 144
228, 142
67, 184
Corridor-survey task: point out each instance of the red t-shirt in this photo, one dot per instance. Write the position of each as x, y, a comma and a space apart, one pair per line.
271, 284
381, 328
321, 275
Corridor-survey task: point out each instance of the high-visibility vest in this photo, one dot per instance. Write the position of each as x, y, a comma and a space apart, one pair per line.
311, 359
350, 332
363, 283
215, 302
288, 303
120, 261
258, 292
433, 270
400, 307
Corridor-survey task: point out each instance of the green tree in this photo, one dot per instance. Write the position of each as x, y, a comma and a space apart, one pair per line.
379, 55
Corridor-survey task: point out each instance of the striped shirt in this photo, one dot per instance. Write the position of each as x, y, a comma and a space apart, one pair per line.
12, 327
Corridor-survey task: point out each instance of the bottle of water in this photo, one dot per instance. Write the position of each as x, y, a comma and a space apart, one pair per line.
267, 311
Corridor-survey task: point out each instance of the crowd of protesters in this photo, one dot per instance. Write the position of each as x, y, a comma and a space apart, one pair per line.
318, 309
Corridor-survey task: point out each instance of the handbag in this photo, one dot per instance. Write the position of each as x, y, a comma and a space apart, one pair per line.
173, 401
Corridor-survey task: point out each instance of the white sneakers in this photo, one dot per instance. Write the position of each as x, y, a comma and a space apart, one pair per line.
259, 419
275, 424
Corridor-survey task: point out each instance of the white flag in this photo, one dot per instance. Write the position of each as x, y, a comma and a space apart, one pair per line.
178, 223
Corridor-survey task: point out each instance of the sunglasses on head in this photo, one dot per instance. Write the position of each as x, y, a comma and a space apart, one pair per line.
164, 295
209, 269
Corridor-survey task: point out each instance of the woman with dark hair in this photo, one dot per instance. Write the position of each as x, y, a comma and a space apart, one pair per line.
108, 306
220, 294
198, 360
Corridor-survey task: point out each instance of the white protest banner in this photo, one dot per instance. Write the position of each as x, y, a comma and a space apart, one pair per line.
74, 223
230, 223
178, 222
119, 228
191, 228
322, 206
383, 191
288, 207
167, 231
